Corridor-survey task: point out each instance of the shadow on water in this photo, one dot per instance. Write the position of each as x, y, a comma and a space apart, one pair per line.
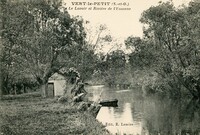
148, 116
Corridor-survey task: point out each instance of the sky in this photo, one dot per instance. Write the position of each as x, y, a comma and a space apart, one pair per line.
120, 23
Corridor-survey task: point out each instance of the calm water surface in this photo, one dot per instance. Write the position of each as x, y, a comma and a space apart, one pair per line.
136, 115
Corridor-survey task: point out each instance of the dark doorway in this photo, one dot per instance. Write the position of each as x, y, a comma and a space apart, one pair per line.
50, 91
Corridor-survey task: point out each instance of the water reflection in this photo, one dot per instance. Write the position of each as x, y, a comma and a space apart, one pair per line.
120, 122
148, 116
171, 118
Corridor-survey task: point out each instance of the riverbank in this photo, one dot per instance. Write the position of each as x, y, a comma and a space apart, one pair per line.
34, 115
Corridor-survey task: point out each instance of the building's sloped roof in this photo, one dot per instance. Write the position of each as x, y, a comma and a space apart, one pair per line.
57, 76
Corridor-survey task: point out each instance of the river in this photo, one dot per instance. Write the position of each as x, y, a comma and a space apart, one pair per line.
136, 115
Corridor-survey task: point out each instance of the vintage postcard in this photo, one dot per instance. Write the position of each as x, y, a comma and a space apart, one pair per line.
99, 67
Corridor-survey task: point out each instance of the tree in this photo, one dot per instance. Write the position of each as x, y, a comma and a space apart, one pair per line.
1, 47
171, 46
112, 67
42, 36
1, 86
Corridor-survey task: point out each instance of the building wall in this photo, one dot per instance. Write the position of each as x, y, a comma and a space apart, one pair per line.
59, 86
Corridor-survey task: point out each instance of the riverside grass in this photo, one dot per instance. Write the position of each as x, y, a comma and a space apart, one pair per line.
30, 114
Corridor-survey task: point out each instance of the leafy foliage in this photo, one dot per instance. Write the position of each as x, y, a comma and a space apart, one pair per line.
170, 47
39, 38
114, 68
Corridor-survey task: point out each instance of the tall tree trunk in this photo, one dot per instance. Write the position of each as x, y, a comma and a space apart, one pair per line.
1, 88
43, 83
15, 89
24, 88
1, 78
1, 46
44, 88
2, 25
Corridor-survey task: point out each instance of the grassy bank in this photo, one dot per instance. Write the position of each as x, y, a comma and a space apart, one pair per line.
32, 115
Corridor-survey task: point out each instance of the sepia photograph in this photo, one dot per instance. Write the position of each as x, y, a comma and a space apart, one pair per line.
99, 67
